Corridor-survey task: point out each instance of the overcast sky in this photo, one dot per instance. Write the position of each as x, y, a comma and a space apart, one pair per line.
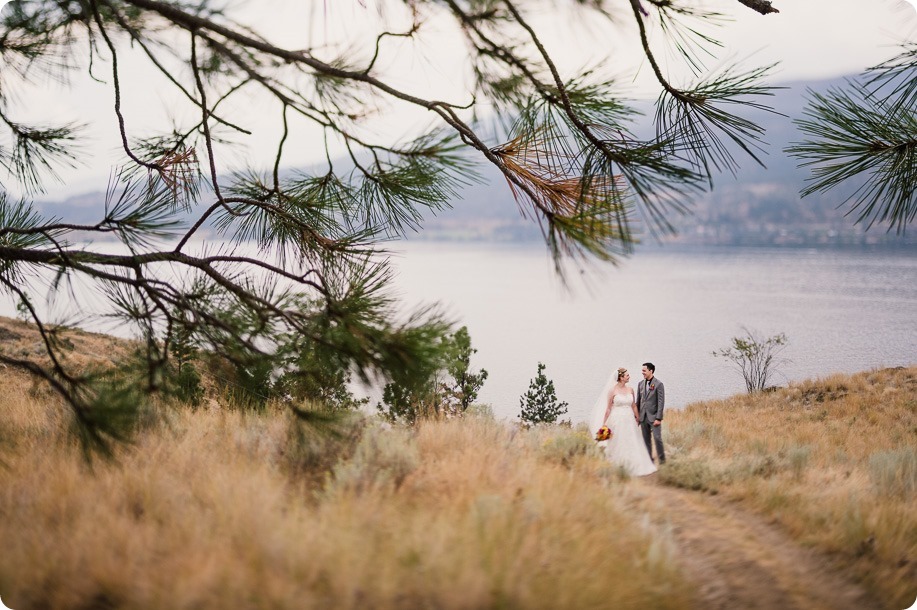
812, 39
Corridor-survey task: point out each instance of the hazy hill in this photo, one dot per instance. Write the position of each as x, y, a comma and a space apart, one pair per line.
760, 205
757, 206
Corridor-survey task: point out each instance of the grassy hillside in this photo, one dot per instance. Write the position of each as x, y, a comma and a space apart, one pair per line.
218, 508
833, 461
221, 508
211, 509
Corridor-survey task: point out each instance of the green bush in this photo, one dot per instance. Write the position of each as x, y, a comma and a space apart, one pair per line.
694, 433
688, 474
187, 385
312, 373
567, 445
318, 438
445, 384
383, 457
798, 458
183, 380
894, 473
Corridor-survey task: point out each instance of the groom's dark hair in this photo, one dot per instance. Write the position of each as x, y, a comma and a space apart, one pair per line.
650, 366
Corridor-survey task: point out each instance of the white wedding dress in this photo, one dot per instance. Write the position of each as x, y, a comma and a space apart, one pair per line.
626, 447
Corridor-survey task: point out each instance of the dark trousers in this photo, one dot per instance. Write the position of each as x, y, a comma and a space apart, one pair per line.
649, 430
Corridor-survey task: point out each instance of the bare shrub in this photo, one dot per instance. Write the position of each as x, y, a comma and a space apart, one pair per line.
755, 357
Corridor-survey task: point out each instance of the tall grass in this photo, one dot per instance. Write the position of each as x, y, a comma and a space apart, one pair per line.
834, 461
894, 473
223, 509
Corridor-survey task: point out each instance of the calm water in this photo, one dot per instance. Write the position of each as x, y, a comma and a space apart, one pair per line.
843, 311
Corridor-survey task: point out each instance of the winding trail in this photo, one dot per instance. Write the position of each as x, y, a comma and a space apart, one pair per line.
741, 561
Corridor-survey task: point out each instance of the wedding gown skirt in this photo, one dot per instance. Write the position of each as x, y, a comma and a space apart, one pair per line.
626, 447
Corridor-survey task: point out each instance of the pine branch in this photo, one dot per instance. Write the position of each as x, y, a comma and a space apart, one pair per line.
761, 6
865, 145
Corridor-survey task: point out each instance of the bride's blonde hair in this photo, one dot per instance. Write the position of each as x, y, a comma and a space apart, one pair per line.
621, 372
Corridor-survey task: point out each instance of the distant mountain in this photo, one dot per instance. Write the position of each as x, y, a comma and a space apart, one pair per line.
82, 209
757, 206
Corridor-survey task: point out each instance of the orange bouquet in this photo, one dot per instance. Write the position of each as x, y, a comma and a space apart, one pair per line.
603, 434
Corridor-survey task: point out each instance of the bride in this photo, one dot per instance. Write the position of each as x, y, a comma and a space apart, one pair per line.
616, 407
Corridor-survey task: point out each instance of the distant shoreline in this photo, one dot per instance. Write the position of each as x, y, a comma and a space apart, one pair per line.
674, 244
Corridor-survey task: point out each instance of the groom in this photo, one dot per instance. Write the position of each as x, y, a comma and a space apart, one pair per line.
650, 404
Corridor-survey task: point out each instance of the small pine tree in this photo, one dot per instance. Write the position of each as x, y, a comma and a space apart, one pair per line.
409, 400
407, 405
540, 404
314, 375
462, 386
447, 387
186, 381
22, 309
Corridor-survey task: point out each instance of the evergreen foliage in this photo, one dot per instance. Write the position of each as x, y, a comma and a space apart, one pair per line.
862, 142
407, 405
321, 381
539, 405
461, 387
449, 387
187, 380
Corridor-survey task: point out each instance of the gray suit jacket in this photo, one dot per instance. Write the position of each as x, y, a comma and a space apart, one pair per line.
651, 406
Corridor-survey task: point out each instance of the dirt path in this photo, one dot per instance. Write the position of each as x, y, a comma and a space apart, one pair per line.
739, 560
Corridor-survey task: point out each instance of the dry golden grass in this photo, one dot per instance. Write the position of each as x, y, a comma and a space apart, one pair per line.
79, 348
222, 508
834, 461
208, 510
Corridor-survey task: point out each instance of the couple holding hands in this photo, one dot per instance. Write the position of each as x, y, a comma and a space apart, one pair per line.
627, 413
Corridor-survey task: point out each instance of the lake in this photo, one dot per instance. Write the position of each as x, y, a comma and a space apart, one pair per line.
842, 311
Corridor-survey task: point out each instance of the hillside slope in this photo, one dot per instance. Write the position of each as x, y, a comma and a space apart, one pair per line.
798, 498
